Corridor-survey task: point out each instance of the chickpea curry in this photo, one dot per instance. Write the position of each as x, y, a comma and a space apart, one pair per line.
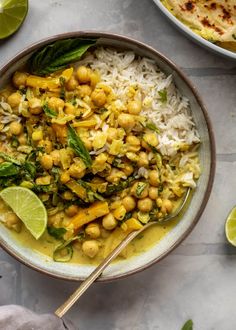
94, 156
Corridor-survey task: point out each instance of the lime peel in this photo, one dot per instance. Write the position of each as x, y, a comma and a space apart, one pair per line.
28, 207
230, 227
12, 16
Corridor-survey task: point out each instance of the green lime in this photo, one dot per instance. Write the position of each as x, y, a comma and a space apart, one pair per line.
230, 227
12, 15
28, 207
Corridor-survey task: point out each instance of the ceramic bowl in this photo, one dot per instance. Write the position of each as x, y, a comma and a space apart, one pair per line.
123, 268
192, 35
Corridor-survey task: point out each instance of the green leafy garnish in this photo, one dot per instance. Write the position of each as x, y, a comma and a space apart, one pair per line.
9, 158
56, 232
163, 95
58, 55
114, 188
8, 169
188, 325
152, 126
30, 168
49, 112
75, 142
140, 188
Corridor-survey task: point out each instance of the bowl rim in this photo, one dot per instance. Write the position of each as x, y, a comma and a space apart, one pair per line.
197, 38
173, 67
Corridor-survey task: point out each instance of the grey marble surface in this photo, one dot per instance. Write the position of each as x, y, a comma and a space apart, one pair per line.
198, 280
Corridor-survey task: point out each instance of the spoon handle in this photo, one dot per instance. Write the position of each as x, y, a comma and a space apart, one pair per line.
95, 274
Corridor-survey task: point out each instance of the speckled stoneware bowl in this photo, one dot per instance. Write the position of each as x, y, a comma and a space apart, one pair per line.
198, 202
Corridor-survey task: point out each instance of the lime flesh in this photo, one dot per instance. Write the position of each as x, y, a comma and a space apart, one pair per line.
12, 15
28, 207
230, 227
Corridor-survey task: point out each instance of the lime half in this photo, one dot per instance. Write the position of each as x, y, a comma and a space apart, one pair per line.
230, 227
12, 15
28, 207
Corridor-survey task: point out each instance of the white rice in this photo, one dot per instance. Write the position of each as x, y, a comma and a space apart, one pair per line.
120, 70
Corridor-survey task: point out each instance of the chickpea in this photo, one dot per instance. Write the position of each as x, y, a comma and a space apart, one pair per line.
120, 212
19, 79
68, 195
115, 175
128, 169
109, 222
133, 140
47, 145
166, 206
14, 99
129, 203
15, 128
159, 202
22, 139
55, 157
111, 134
93, 230
76, 171
137, 191
83, 74
35, 107
46, 162
126, 121
134, 107
145, 146
153, 193
105, 233
71, 84
56, 103
154, 178
98, 97
69, 109
143, 159
90, 248
84, 90
71, 210
65, 177
151, 139
94, 79
37, 135
145, 205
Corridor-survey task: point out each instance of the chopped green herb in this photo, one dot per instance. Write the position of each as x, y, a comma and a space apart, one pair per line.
152, 126
49, 112
30, 168
163, 95
14, 142
8, 169
9, 158
58, 233
140, 188
75, 142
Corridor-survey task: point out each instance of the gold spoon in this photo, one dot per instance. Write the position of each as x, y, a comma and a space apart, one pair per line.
60, 312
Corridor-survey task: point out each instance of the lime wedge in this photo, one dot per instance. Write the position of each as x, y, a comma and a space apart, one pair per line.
12, 15
28, 207
230, 227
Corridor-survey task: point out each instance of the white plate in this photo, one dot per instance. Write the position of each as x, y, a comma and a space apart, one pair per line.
185, 29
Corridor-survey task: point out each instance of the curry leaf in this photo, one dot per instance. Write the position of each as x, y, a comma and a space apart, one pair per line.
30, 168
8, 169
188, 325
49, 112
58, 55
75, 142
